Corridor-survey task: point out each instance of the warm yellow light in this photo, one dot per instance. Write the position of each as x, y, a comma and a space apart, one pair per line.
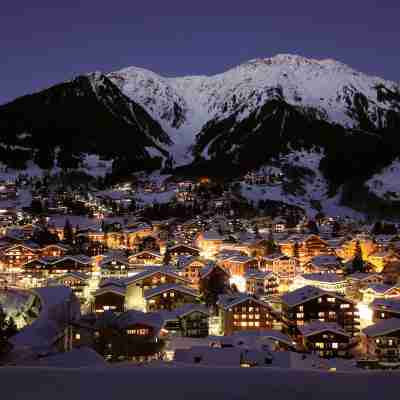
239, 282
365, 315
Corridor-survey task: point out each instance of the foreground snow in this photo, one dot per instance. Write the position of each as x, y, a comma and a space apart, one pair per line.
193, 383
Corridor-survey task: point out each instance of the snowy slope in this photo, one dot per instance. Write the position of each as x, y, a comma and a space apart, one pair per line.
386, 184
184, 105
312, 188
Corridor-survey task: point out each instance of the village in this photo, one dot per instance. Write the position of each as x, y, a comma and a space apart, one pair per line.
188, 271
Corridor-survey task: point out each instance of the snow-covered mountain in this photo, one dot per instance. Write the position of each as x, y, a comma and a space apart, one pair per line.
286, 107
334, 91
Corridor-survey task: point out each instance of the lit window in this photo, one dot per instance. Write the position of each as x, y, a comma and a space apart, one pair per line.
251, 316
390, 342
244, 316
321, 314
172, 294
300, 315
257, 316
320, 300
235, 316
301, 308
77, 336
244, 324
250, 309
332, 314
331, 300
345, 306
319, 345
257, 324
251, 323
165, 294
383, 315
335, 345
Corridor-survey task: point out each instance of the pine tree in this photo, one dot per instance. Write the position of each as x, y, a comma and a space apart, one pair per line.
357, 263
68, 233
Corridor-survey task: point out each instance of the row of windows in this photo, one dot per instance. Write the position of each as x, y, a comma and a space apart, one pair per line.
138, 332
246, 316
246, 324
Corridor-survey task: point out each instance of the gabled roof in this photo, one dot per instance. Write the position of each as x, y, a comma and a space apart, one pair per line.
316, 327
209, 268
386, 305
148, 294
383, 327
380, 288
228, 301
119, 258
184, 245
151, 252
121, 291
361, 276
260, 275
78, 275
153, 271
308, 293
133, 317
324, 278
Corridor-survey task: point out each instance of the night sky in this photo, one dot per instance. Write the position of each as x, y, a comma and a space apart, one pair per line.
43, 42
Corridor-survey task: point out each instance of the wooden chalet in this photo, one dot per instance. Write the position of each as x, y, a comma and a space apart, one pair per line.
385, 309
243, 312
327, 339
110, 297
146, 257
138, 284
263, 284
169, 297
310, 303
382, 340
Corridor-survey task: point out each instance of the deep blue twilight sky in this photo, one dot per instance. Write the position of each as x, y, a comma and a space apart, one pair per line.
43, 42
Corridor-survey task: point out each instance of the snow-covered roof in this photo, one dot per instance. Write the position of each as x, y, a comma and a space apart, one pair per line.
360, 276
382, 327
57, 306
205, 271
227, 301
148, 294
324, 278
265, 334
304, 294
260, 275
76, 358
153, 271
111, 288
133, 317
386, 305
322, 260
316, 327
379, 288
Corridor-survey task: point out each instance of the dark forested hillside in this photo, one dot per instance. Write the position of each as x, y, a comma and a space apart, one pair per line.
86, 115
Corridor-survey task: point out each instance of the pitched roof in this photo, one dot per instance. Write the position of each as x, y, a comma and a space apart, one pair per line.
386, 305
324, 278
111, 288
148, 294
383, 327
209, 268
306, 293
230, 300
153, 271
380, 288
315, 327
132, 317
